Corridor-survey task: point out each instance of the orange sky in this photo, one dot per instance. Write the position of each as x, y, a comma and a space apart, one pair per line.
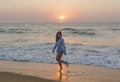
51, 10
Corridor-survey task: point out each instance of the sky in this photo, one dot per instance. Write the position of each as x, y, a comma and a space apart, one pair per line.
59, 10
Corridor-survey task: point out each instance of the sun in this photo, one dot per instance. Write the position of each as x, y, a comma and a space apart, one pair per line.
61, 17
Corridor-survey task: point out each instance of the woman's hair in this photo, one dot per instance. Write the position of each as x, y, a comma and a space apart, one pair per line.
57, 38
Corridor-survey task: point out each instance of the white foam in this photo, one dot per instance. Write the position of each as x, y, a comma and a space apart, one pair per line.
76, 54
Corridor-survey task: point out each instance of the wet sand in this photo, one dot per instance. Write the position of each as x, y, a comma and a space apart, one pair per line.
13, 77
37, 71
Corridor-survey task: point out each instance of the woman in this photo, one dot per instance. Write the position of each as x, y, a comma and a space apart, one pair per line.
61, 49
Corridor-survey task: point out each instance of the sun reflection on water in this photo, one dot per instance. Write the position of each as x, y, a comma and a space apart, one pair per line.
62, 75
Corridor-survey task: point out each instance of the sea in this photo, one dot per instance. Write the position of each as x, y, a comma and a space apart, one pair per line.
86, 43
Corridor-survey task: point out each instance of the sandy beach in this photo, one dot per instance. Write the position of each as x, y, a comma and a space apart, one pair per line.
34, 72
12, 77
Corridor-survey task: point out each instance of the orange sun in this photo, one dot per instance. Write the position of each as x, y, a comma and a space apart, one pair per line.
61, 17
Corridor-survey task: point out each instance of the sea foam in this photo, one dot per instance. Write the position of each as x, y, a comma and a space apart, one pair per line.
76, 54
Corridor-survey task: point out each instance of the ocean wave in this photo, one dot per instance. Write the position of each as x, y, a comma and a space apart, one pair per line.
86, 32
76, 54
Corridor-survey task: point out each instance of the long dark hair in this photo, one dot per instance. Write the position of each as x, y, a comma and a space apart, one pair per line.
57, 38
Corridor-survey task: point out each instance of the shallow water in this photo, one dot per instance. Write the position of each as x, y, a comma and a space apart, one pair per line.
105, 34
94, 44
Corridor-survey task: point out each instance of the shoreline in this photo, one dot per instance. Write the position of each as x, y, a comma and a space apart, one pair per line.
57, 64
77, 73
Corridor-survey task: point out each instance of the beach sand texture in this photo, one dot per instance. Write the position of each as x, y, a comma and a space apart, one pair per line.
12, 77
18, 71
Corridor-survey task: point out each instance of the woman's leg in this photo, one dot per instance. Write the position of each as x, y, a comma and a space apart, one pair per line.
58, 58
66, 63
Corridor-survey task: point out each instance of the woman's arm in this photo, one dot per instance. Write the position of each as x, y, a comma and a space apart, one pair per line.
54, 47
